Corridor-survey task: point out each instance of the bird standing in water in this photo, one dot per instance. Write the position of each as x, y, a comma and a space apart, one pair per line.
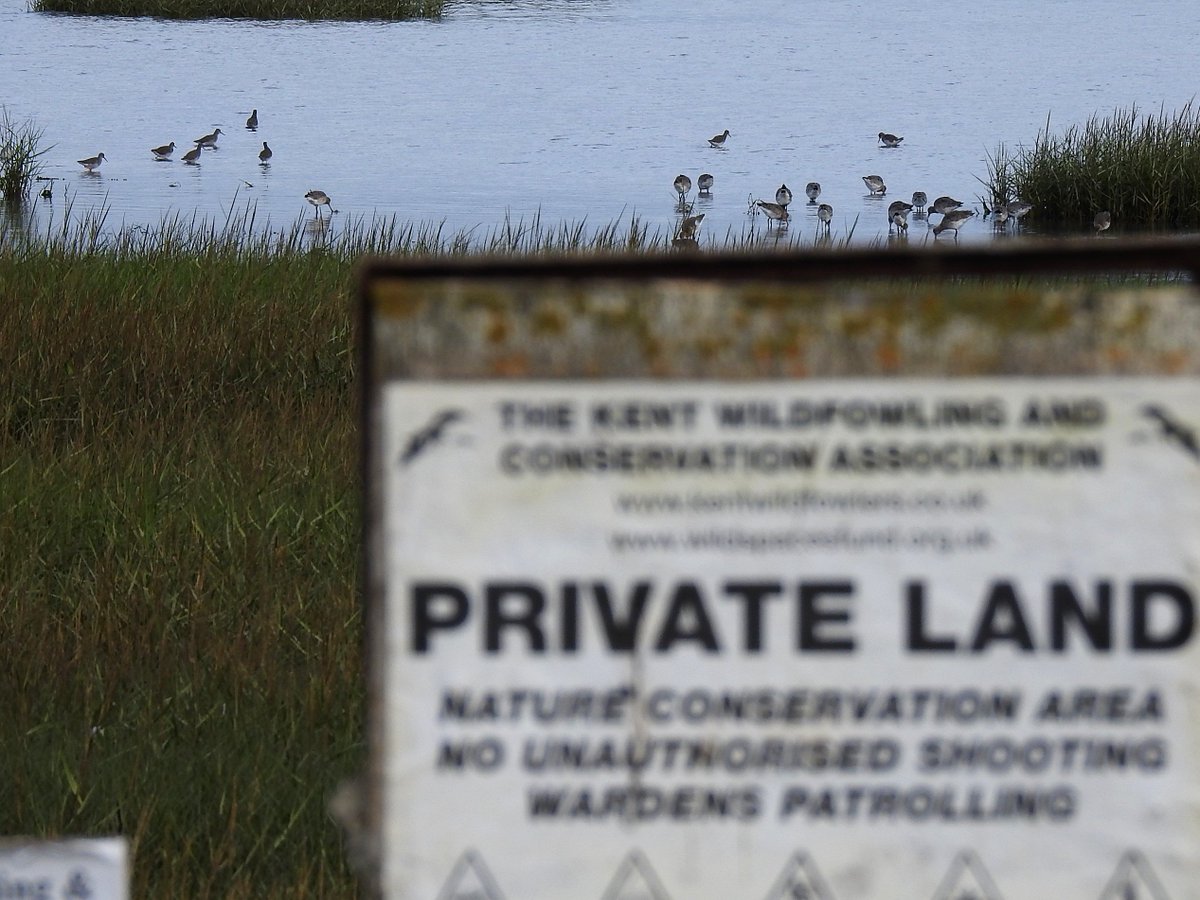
875, 184
889, 140
783, 196
319, 199
945, 204
683, 184
1018, 209
825, 214
776, 212
813, 190
1102, 221
952, 221
164, 152
705, 183
252, 122
898, 212
718, 140
689, 226
92, 163
208, 140
265, 153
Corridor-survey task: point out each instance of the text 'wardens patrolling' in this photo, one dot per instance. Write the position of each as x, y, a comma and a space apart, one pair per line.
1147, 615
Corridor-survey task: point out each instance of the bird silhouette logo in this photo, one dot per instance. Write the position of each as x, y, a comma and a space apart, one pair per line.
1173, 430
423, 438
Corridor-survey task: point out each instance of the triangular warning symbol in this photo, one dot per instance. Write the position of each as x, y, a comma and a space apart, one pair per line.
1134, 880
470, 879
800, 880
635, 880
967, 879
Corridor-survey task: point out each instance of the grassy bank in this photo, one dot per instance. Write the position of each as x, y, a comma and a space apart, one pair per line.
1145, 170
178, 535
271, 10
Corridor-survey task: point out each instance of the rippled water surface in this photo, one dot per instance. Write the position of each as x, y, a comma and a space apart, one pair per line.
578, 109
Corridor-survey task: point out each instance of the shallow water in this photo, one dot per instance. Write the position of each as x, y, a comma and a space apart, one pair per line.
578, 109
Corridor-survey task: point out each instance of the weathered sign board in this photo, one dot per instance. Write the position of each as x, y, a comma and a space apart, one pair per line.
716, 584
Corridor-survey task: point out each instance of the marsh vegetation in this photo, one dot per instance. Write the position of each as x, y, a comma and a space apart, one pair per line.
178, 533
21, 151
1143, 169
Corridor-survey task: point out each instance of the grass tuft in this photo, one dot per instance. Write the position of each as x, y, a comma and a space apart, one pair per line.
1144, 169
21, 151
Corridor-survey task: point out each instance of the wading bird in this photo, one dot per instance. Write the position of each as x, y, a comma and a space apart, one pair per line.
683, 184
952, 221
192, 157
1102, 221
783, 196
945, 204
889, 140
705, 183
165, 151
252, 122
897, 213
920, 201
92, 163
265, 153
1018, 209
718, 140
825, 214
813, 190
689, 226
775, 212
874, 184
319, 199
208, 140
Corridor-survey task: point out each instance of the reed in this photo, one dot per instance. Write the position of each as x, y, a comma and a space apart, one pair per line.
21, 150
1144, 169
242, 235
269, 10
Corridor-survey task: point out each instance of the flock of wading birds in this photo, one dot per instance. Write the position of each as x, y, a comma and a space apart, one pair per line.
192, 158
954, 213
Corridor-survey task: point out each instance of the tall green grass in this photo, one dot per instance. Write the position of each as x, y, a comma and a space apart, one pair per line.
1144, 169
178, 534
21, 150
270, 10
242, 234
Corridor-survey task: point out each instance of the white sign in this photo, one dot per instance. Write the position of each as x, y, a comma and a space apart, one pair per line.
75, 869
862, 639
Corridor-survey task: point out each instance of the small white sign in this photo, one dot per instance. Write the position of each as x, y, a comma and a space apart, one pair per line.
928, 638
73, 869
